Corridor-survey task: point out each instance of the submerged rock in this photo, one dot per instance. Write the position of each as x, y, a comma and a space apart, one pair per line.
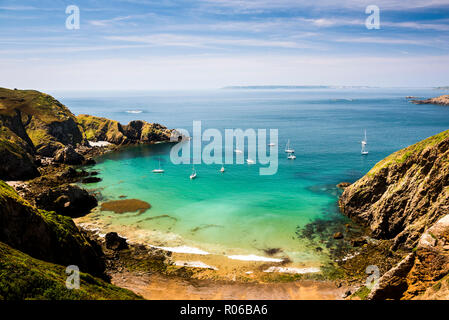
126, 205
91, 180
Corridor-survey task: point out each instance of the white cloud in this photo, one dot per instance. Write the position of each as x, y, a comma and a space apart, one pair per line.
418, 25
194, 72
176, 40
17, 8
263, 5
434, 42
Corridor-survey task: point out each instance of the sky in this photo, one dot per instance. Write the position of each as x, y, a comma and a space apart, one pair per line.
207, 44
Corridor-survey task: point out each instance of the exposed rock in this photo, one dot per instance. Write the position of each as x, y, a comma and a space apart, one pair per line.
404, 194
89, 162
68, 155
393, 283
432, 260
338, 235
343, 185
68, 200
115, 242
45, 235
358, 242
441, 100
424, 273
102, 129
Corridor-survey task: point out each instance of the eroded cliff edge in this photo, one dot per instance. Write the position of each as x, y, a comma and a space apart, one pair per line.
36, 128
400, 199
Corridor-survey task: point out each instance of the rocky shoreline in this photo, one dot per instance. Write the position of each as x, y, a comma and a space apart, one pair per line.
400, 205
441, 100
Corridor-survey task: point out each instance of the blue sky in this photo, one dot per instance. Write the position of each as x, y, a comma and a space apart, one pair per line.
180, 44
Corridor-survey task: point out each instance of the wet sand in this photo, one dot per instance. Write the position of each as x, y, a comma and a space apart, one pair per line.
219, 277
158, 287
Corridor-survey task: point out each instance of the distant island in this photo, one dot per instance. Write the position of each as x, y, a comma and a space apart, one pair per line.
442, 88
274, 87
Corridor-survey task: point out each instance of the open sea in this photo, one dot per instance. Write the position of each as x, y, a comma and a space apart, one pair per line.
241, 212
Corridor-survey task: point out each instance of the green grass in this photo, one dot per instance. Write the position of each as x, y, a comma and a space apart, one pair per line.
23, 277
34, 103
362, 293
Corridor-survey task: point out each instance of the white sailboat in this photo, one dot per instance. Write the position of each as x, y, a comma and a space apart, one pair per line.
271, 144
222, 169
288, 149
291, 156
193, 175
159, 170
364, 143
238, 151
250, 161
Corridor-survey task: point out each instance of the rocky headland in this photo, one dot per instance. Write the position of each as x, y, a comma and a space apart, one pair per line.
441, 100
40, 142
404, 202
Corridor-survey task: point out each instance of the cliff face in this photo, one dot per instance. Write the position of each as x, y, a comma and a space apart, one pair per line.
102, 129
422, 274
404, 194
16, 162
48, 124
45, 235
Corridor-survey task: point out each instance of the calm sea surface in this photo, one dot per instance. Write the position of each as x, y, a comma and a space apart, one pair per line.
241, 212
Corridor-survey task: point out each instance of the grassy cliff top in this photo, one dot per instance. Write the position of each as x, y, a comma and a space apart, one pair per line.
33, 103
403, 154
23, 277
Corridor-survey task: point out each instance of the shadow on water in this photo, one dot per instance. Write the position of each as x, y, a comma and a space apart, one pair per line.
139, 151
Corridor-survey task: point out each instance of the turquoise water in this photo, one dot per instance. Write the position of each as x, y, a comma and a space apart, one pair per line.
241, 212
